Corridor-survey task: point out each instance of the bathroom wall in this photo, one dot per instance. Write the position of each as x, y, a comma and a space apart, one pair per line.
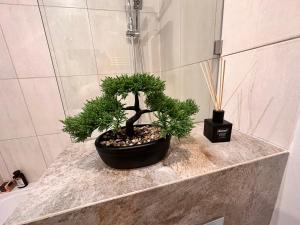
88, 42
30, 105
54, 54
262, 83
188, 30
52, 59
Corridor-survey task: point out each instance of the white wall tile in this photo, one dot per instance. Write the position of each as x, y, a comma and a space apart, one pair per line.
52, 145
23, 31
64, 3
111, 45
252, 23
102, 4
24, 154
45, 107
4, 173
148, 5
169, 13
72, 40
197, 30
6, 65
150, 42
188, 82
262, 91
21, 2
78, 89
173, 82
14, 117
194, 86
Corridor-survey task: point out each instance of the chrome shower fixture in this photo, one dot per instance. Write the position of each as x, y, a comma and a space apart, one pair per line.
133, 8
138, 4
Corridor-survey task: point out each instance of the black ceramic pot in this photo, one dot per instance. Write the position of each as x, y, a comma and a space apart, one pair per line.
135, 156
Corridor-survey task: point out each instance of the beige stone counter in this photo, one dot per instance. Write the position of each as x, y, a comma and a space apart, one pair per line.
80, 181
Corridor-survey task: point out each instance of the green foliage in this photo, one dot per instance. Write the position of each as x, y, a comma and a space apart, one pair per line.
107, 112
175, 117
103, 113
140, 82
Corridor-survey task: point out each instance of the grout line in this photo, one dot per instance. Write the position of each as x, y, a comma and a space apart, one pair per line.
65, 76
33, 125
222, 20
38, 135
55, 64
216, 81
215, 22
17, 4
5, 165
190, 64
118, 10
10, 57
158, 18
42, 135
52, 62
263, 45
180, 31
92, 36
72, 7
62, 6
25, 78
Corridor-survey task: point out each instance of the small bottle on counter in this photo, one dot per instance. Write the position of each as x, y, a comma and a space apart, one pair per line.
2, 187
10, 185
20, 179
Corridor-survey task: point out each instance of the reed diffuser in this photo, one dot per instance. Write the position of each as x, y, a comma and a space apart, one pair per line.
216, 129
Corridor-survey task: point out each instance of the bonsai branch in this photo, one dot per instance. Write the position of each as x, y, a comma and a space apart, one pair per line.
129, 108
138, 113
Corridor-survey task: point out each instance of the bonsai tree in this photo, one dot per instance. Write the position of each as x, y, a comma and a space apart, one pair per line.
107, 112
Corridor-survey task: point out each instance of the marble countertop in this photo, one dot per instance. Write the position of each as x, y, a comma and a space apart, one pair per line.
79, 178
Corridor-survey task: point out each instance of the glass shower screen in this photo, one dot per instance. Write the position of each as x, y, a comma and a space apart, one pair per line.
90, 40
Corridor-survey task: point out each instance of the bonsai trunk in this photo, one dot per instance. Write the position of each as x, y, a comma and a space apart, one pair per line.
138, 113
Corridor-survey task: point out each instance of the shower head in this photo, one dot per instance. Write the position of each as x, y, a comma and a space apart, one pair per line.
138, 4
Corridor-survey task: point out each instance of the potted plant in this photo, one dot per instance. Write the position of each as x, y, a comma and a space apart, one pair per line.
132, 146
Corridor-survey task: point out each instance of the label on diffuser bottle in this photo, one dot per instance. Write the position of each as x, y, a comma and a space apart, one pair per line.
222, 133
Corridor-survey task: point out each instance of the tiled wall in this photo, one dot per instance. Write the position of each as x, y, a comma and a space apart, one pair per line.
88, 42
262, 82
30, 104
37, 88
187, 33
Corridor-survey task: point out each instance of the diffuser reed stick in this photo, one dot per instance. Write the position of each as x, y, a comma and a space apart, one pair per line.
209, 84
216, 94
216, 129
222, 82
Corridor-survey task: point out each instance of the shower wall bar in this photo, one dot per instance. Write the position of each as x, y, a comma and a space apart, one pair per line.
133, 8
133, 17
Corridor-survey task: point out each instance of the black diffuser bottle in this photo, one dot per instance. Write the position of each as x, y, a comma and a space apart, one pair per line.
217, 129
